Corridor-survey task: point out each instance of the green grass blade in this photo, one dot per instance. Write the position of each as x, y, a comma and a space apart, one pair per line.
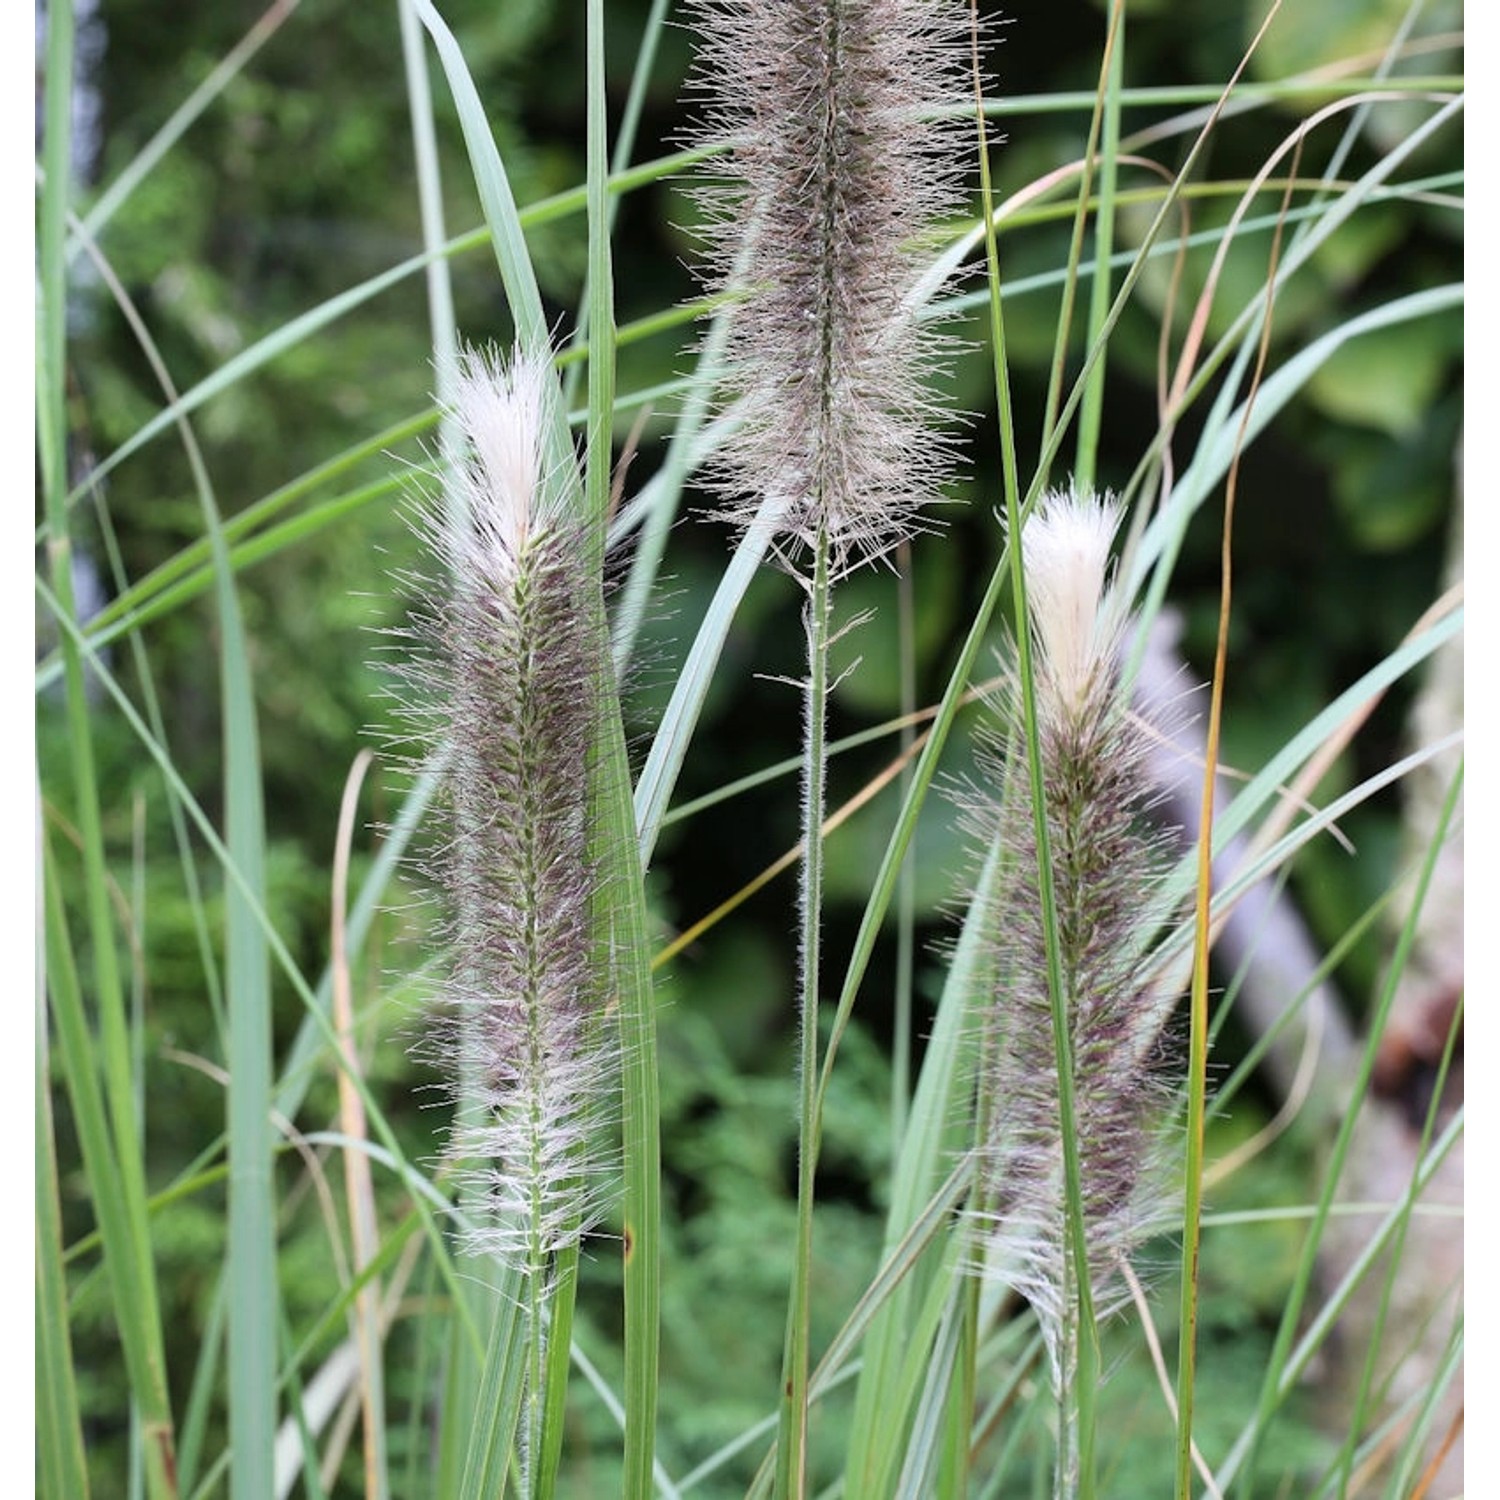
624, 921
1321, 1326
108, 1182
51, 333
1091, 409
630, 119
562, 1296
1277, 1365
669, 747
621, 932
937, 1132
60, 1463
440, 314
253, 1296
503, 221
933, 1360
488, 1433
1388, 1291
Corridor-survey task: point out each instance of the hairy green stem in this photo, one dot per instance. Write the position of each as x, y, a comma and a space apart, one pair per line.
791, 1466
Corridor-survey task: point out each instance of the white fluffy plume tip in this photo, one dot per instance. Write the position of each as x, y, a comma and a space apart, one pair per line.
1066, 547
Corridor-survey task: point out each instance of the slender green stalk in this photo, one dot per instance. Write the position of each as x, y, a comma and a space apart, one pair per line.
1091, 409
201, 1396
60, 1460
1051, 424
630, 119
906, 894
791, 1459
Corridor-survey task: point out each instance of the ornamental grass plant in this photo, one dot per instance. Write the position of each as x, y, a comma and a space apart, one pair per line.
953, 457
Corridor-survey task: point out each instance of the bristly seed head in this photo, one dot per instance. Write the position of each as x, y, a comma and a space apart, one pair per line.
1106, 866
515, 664
822, 222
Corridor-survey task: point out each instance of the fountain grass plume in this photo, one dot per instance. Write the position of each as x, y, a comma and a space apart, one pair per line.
524, 1027
821, 223
1106, 870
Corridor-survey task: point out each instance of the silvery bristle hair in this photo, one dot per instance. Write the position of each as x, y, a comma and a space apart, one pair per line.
1106, 868
516, 664
822, 220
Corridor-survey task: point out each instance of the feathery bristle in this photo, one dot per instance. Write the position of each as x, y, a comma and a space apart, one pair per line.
823, 221
1065, 548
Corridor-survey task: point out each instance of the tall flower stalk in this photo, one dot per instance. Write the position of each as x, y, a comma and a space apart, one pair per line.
526, 1027
821, 227
1071, 1101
